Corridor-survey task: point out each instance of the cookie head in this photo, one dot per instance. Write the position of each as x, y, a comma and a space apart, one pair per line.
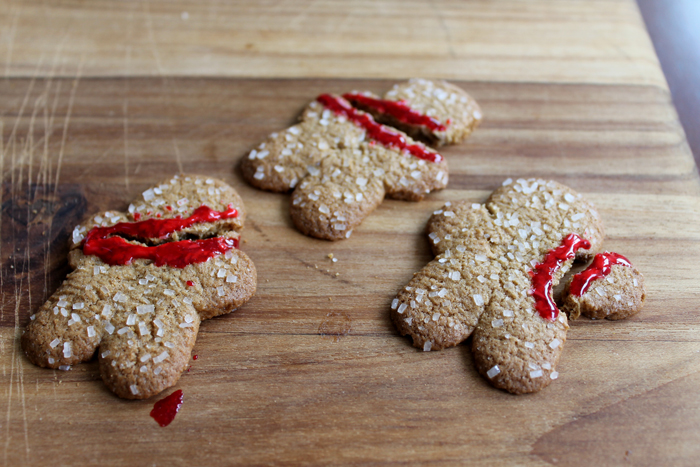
143, 280
495, 267
434, 111
609, 288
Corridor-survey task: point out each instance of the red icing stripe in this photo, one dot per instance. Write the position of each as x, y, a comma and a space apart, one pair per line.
600, 267
164, 410
543, 273
399, 110
117, 251
380, 133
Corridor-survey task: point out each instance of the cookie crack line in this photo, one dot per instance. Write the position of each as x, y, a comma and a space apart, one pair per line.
340, 161
140, 307
117, 251
496, 266
381, 133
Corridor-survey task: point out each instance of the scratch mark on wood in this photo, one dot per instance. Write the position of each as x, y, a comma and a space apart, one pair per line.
177, 156
66, 121
152, 39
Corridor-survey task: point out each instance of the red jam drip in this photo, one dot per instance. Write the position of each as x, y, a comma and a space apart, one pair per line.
164, 410
399, 110
195, 357
600, 267
190, 283
117, 251
543, 273
381, 133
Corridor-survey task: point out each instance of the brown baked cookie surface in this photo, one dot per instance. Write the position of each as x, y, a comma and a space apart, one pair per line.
151, 275
610, 288
496, 264
339, 169
436, 111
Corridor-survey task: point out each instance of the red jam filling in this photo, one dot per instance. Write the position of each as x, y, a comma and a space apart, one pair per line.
399, 110
117, 251
378, 132
543, 273
164, 410
600, 267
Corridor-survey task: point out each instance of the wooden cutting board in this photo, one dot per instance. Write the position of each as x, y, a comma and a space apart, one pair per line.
100, 101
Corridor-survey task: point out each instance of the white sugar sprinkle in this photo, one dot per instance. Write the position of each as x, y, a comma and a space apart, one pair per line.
109, 327
427, 346
169, 292
91, 331
536, 374
131, 319
143, 309
394, 303
555, 343
494, 370
402, 308
161, 357
54, 343
67, 350
478, 299
134, 389
529, 345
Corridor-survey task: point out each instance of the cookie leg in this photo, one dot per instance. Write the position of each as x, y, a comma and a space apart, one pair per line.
515, 349
137, 362
332, 202
68, 327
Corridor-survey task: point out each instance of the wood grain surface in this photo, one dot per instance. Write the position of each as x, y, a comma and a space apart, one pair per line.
311, 370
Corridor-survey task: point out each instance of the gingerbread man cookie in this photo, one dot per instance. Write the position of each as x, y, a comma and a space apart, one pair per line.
142, 282
341, 164
493, 276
